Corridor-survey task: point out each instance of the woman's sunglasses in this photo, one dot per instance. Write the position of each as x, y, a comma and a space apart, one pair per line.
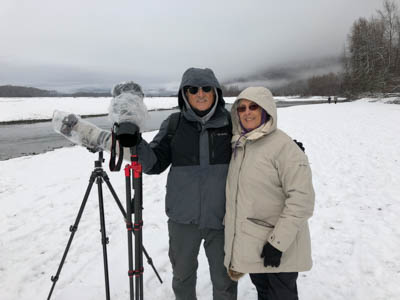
195, 89
242, 108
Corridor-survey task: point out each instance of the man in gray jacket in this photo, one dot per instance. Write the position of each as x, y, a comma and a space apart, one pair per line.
196, 144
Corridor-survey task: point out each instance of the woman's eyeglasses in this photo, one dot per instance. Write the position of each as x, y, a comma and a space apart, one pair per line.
242, 108
195, 89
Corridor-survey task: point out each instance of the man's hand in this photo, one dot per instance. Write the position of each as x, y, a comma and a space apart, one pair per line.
272, 256
68, 123
300, 144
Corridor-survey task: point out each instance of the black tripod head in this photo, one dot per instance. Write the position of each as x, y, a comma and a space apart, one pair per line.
127, 133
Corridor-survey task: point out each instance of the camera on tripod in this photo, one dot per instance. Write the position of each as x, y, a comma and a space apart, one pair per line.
127, 113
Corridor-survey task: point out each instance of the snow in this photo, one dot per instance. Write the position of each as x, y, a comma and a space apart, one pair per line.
354, 152
388, 100
300, 99
12, 109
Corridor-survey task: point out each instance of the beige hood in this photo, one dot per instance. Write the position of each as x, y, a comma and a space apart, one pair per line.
263, 97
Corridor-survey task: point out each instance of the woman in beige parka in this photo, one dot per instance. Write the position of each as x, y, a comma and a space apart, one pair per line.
270, 197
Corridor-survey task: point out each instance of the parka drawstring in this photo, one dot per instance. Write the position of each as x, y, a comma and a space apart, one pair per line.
237, 143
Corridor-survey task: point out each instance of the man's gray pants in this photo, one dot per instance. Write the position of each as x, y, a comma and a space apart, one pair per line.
184, 246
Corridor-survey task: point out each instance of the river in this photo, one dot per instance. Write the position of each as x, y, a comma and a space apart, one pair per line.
29, 139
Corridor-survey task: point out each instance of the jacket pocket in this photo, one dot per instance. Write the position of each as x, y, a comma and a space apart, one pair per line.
261, 222
219, 140
253, 239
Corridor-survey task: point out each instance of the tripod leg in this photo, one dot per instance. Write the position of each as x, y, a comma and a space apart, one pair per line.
138, 186
149, 259
104, 239
72, 229
110, 187
138, 210
128, 218
137, 253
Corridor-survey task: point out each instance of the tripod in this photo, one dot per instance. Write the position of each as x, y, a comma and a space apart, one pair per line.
99, 175
136, 168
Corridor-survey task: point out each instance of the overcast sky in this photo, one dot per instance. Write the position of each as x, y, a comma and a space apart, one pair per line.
97, 43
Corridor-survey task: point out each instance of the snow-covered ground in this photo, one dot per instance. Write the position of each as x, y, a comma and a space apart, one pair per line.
12, 109
354, 150
301, 99
388, 100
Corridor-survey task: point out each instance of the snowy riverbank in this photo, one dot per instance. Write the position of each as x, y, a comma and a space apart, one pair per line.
23, 109
354, 152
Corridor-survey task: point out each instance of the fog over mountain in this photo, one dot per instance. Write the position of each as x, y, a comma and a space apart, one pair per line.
276, 76
93, 44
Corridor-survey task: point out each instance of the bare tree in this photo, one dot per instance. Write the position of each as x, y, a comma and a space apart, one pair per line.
372, 59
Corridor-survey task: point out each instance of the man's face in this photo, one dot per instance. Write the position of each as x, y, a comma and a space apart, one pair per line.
200, 99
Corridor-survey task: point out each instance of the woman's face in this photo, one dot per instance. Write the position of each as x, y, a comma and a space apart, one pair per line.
249, 114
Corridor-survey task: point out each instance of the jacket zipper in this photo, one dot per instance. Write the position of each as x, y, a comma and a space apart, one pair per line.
212, 147
236, 198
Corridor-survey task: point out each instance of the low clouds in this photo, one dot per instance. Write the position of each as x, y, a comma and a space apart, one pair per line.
98, 43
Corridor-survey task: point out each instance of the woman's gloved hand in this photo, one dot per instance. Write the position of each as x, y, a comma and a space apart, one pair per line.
272, 256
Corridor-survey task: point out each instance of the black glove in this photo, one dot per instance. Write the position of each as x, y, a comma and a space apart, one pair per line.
300, 144
272, 256
68, 123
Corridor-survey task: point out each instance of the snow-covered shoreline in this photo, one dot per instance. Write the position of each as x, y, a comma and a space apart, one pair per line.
24, 109
31, 110
355, 158
14, 110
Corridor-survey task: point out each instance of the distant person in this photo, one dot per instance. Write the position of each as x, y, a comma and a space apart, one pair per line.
335, 99
329, 100
270, 198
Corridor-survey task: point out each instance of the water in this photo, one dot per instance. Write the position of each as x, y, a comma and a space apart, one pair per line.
28, 139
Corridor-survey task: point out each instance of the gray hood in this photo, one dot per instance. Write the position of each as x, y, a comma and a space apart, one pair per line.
199, 77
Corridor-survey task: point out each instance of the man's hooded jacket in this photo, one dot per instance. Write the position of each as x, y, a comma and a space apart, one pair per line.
198, 153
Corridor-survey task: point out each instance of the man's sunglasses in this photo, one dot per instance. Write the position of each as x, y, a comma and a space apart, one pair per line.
242, 108
195, 89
